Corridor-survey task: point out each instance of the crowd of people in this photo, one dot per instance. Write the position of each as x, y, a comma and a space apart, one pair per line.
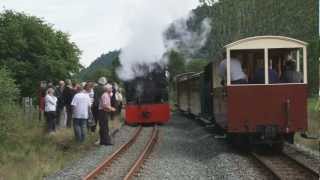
82, 106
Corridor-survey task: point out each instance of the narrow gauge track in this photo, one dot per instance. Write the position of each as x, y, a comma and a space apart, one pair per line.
283, 167
125, 162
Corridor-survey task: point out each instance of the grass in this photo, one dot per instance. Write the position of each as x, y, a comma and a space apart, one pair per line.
28, 152
313, 126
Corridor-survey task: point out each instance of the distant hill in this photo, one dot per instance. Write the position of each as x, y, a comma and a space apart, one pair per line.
103, 62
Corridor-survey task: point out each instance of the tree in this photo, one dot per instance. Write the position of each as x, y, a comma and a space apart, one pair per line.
106, 62
196, 65
176, 64
9, 91
233, 20
33, 51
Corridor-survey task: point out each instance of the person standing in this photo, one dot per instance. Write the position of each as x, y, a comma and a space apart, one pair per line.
68, 94
81, 104
50, 110
60, 104
104, 111
41, 96
98, 91
116, 102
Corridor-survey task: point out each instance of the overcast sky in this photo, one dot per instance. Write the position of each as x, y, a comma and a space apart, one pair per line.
98, 26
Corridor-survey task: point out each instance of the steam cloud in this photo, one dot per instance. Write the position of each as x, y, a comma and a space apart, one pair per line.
183, 40
148, 23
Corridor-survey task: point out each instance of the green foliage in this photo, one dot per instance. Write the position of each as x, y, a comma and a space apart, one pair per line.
234, 20
25, 143
196, 65
9, 91
105, 65
176, 64
32, 50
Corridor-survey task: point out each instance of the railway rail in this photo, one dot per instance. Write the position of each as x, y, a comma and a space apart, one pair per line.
284, 167
110, 163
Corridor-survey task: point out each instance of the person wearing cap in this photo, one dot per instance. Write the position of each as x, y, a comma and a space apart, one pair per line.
104, 111
97, 93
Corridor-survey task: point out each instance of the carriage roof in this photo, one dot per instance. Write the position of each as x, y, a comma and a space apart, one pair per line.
266, 42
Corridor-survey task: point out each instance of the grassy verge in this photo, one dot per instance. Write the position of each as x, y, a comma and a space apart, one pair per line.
28, 153
313, 126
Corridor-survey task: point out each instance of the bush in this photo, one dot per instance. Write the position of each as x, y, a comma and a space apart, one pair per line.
8, 91
8, 111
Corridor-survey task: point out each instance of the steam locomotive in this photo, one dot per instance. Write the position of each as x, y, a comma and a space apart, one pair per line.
147, 96
256, 113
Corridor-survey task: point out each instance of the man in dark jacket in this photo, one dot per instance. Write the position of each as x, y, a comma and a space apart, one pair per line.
60, 104
68, 94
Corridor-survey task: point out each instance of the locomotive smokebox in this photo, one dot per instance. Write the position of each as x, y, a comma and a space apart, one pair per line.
147, 95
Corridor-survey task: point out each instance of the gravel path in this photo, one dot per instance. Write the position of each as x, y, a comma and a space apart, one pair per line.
120, 168
303, 156
82, 167
187, 150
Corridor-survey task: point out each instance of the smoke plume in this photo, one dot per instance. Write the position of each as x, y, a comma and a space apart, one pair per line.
148, 22
180, 38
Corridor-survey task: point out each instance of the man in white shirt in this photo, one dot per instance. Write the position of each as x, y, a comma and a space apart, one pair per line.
236, 73
81, 104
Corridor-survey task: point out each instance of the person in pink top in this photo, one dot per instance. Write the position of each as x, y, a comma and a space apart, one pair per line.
104, 110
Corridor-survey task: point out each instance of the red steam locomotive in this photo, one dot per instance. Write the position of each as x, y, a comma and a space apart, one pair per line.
259, 113
147, 97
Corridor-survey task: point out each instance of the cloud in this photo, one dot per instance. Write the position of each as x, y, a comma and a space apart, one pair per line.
98, 26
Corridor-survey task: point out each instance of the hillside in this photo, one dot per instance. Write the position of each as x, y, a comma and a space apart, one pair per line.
104, 62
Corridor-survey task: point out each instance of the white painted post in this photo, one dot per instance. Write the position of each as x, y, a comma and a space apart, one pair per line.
298, 60
266, 66
305, 73
228, 68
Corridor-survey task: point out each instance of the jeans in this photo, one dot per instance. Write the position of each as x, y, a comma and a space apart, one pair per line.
79, 129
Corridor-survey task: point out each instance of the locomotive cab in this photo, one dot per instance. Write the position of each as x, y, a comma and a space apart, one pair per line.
271, 109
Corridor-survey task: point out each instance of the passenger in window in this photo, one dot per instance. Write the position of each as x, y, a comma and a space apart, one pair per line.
237, 74
291, 75
258, 77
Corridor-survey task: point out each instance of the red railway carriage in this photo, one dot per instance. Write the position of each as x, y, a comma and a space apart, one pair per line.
269, 111
147, 98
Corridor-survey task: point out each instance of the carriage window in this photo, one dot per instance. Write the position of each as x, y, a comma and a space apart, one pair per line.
284, 66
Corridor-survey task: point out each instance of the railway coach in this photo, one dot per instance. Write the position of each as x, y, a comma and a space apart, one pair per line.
147, 97
259, 113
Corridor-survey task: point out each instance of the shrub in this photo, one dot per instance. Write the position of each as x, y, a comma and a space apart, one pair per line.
8, 91
8, 111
